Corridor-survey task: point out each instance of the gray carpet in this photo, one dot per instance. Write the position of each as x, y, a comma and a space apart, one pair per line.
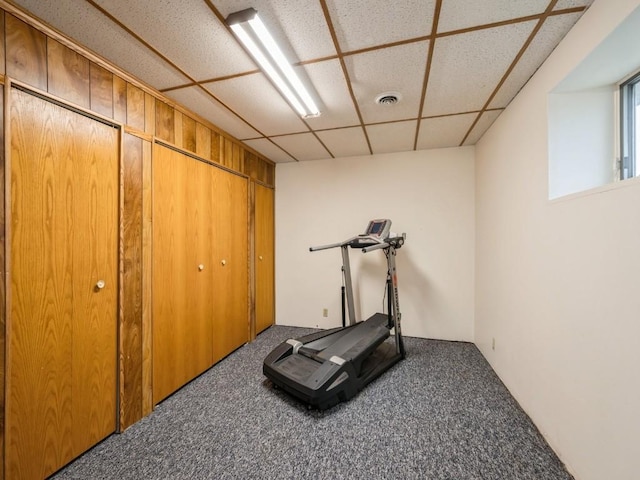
440, 414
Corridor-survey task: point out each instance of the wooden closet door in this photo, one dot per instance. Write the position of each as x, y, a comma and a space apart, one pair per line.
182, 270
231, 275
61, 388
264, 260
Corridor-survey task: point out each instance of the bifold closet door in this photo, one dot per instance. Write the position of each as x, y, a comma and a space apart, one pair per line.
62, 350
264, 260
182, 270
231, 254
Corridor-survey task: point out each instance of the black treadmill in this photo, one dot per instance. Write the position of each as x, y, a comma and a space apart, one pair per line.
331, 366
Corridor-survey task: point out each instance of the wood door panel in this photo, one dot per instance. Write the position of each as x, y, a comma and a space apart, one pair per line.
168, 269
62, 353
264, 257
231, 292
182, 330
95, 235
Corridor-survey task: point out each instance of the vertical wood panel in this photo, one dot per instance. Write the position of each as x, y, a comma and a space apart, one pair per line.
177, 128
101, 83
150, 114
68, 74
165, 119
135, 107
26, 53
216, 144
147, 285
132, 301
119, 99
2, 51
203, 141
3, 286
188, 133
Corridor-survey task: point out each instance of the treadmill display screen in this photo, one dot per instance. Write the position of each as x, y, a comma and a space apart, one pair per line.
376, 228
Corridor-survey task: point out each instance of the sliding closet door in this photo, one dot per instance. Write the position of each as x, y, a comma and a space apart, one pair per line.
264, 260
231, 276
182, 270
62, 352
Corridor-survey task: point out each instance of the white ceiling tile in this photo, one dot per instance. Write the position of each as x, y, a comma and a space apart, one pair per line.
441, 132
486, 120
345, 142
269, 150
460, 14
552, 31
467, 68
106, 39
562, 4
386, 22
335, 103
392, 137
400, 69
204, 47
298, 25
253, 96
303, 146
198, 101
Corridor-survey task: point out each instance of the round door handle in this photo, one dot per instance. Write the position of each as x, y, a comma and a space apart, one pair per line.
260, 258
223, 262
201, 267
100, 285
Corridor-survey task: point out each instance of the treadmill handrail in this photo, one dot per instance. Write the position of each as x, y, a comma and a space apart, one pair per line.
341, 244
395, 242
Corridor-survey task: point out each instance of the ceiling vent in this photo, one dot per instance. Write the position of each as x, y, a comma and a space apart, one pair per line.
388, 98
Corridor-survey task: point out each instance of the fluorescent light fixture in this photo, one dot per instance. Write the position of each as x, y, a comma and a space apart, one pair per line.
255, 37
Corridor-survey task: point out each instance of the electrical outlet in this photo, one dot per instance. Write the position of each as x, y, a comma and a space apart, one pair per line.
325, 312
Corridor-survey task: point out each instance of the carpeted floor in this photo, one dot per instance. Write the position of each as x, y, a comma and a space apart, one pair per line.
440, 414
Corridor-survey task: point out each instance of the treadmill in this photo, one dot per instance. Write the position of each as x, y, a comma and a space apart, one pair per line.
325, 368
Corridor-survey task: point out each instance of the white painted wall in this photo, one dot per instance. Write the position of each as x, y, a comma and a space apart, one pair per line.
427, 194
558, 282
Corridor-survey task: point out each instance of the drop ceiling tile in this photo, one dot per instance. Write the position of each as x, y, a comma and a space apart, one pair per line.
562, 4
253, 98
198, 101
441, 132
298, 26
386, 22
467, 68
204, 48
303, 146
460, 14
345, 142
486, 120
106, 39
392, 137
269, 150
335, 103
400, 69
547, 38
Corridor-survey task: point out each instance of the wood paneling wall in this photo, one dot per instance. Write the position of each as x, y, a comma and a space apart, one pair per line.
36, 56
37, 59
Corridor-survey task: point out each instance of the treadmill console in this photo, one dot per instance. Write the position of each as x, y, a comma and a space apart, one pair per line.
378, 228
377, 232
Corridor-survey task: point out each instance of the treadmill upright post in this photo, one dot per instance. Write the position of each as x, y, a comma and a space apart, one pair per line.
346, 268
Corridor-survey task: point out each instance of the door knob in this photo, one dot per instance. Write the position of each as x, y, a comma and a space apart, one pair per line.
260, 257
201, 267
100, 285
223, 262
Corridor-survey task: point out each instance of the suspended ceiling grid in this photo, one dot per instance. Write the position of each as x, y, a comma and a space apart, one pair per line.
455, 64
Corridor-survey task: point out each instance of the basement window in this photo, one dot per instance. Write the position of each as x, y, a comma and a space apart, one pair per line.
629, 127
